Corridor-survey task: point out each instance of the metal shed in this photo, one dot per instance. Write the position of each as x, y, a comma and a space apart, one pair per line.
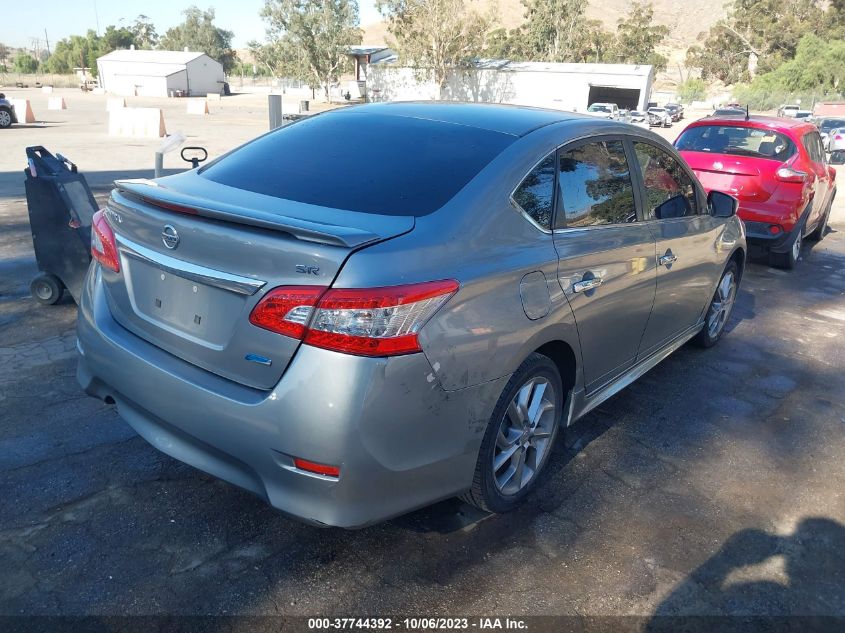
160, 73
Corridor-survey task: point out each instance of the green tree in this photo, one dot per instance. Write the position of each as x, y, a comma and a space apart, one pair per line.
693, 89
199, 33
637, 37
559, 31
755, 36
25, 63
144, 32
309, 39
435, 36
115, 39
4, 55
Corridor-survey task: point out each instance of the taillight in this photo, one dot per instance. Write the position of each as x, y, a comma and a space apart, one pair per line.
366, 322
314, 467
838, 137
787, 174
103, 246
287, 310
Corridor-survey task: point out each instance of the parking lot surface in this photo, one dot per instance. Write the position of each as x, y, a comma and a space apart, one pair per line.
712, 486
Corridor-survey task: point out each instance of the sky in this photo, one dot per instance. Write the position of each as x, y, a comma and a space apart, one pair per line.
23, 21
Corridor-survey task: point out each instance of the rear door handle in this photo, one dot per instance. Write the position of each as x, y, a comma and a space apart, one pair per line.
586, 284
667, 259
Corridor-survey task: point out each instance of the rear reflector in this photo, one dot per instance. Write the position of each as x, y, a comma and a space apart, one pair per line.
774, 229
366, 322
314, 467
103, 247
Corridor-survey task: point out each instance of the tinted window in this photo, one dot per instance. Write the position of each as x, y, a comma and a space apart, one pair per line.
670, 192
374, 163
742, 141
831, 124
536, 193
815, 148
595, 186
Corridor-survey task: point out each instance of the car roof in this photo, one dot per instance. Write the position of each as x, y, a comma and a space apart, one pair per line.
505, 119
759, 121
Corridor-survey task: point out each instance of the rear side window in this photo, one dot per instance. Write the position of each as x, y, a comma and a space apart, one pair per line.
738, 140
814, 146
595, 186
535, 195
670, 192
373, 163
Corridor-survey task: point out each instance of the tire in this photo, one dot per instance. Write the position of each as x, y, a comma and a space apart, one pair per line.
789, 259
720, 308
818, 233
46, 289
5, 118
511, 426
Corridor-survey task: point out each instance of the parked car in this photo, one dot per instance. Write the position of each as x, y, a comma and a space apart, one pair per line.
87, 85
7, 112
836, 140
352, 348
676, 110
788, 110
804, 115
639, 118
777, 170
663, 117
826, 125
722, 112
604, 110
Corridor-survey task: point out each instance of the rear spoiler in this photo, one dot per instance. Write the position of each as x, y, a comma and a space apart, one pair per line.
150, 192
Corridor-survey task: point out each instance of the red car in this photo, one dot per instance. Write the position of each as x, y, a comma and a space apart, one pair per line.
777, 170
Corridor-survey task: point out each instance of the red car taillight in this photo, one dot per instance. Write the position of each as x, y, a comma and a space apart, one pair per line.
365, 322
787, 174
103, 246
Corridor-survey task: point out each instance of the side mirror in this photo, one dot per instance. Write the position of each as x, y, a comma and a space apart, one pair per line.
722, 205
837, 157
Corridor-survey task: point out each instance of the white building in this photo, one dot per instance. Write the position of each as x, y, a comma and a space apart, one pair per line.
160, 73
571, 87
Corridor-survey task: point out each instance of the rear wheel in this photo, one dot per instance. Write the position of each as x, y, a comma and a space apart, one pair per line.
788, 259
5, 118
46, 289
720, 308
519, 437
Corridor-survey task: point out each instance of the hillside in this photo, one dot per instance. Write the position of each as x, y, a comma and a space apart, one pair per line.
684, 19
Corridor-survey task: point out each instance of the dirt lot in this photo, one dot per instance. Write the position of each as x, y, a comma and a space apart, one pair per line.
712, 486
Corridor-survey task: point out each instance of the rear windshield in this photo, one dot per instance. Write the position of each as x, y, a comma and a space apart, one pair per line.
598, 108
373, 163
742, 141
831, 124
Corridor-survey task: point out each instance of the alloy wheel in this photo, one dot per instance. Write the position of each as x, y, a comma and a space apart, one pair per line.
796, 247
5, 119
524, 435
722, 304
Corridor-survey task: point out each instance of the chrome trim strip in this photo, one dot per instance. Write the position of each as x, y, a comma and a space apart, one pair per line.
208, 276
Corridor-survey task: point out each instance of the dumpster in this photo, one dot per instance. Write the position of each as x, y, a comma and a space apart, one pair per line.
61, 207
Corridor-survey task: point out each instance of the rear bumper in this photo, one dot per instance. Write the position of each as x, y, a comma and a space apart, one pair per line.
400, 440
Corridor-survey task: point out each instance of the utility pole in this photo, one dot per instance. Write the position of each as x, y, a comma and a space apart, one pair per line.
97, 17
47, 40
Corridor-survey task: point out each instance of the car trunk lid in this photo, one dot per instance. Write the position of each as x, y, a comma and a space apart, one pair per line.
749, 179
196, 256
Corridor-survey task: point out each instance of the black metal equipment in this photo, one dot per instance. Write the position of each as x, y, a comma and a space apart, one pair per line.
61, 207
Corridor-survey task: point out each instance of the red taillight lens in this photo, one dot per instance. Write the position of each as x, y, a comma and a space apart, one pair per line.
838, 137
787, 174
366, 322
287, 310
314, 467
774, 229
103, 247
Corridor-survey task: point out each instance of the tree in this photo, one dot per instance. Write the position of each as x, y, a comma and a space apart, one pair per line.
115, 39
25, 63
79, 51
4, 55
435, 36
144, 32
559, 31
755, 36
198, 33
309, 39
693, 89
637, 37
